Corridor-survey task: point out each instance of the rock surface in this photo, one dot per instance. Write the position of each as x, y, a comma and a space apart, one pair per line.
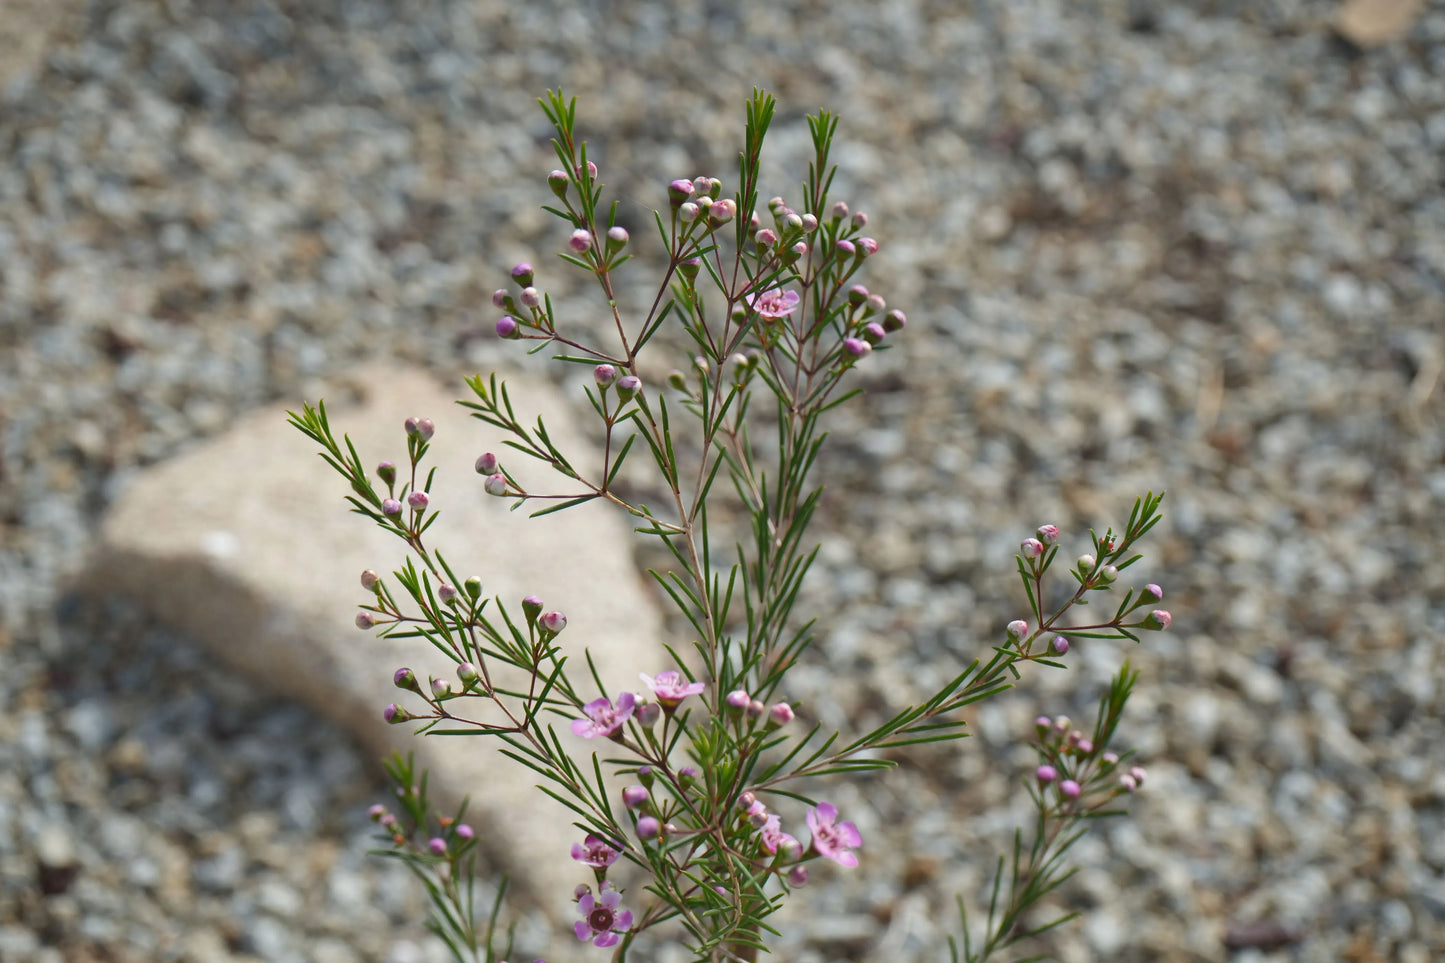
244, 545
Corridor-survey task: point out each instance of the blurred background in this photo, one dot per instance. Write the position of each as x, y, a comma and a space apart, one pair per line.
1186, 246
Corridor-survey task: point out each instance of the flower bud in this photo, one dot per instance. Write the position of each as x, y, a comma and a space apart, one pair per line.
857, 294
365, 620
767, 237
558, 181
1043, 724
867, 246
404, 678
531, 298
810, 223
1061, 723
857, 347
1048, 534
1070, 789
646, 776
628, 386
894, 320
1031, 548
1046, 774
464, 831
495, 484
1085, 747
1107, 574
531, 608
677, 380
553, 622
418, 501
876, 304
468, 674
424, 428
446, 592
500, 297
1017, 629
390, 506
1153, 591
860, 220
376, 812
687, 212
580, 240
798, 876
1085, 565
1158, 619
689, 267
756, 709
395, 713
780, 715
1060, 644
440, 688
369, 579
793, 221
437, 845
873, 332
616, 238
721, 212
386, 471
522, 274
591, 170
487, 463
634, 796
800, 248
679, 191
845, 248
737, 702
604, 375
508, 328
840, 211
686, 776
1110, 758
1129, 783
648, 827
647, 714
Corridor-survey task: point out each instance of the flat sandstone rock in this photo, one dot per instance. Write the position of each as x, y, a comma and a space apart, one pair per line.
246, 545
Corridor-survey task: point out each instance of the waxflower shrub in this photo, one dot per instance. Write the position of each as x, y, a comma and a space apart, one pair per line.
718, 810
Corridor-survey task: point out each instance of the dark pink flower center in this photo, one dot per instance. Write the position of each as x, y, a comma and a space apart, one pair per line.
600, 919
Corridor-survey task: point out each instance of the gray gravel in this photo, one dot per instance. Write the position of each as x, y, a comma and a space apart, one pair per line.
1196, 246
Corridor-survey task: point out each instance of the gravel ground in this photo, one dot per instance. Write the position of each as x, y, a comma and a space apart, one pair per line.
1191, 246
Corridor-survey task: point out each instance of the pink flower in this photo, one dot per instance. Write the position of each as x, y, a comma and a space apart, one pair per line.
601, 922
603, 718
775, 839
670, 687
594, 852
831, 838
774, 303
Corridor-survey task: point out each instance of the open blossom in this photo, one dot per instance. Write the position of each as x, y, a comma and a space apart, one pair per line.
601, 921
594, 852
775, 303
603, 718
831, 838
670, 687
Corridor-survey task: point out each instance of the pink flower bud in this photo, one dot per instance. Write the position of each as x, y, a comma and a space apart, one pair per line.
1048, 534
800, 248
894, 320
522, 274
1085, 564
857, 347
386, 471
1070, 788
390, 506
394, 714
687, 212
1046, 774
722, 211
647, 714
648, 827
1158, 619
1110, 758
845, 248
464, 831
446, 592
876, 304
365, 620
531, 608
531, 298
508, 328
767, 237
798, 876
873, 332
558, 181
756, 709
857, 294
1153, 591
810, 223
1043, 724
840, 211
553, 622
496, 484
604, 375
487, 463
634, 796
580, 240
1138, 773
1031, 548
376, 812
1017, 629
1085, 747
1129, 783
418, 501
438, 846
628, 386
440, 688
468, 674
738, 701
780, 714
499, 298
616, 236
369, 579
1060, 644
679, 191
867, 246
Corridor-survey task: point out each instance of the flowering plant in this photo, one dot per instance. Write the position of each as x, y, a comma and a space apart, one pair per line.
718, 761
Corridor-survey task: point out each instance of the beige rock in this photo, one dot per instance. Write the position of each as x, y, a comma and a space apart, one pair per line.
29, 28
246, 545
1369, 23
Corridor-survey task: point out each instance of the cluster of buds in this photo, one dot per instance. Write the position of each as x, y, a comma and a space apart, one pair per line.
1076, 769
698, 202
450, 840
747, 712
529, 310
867, 323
